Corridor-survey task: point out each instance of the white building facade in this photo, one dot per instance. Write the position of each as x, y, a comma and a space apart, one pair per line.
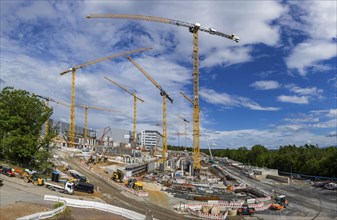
150, 138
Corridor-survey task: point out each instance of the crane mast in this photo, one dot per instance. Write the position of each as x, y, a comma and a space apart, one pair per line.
86, 108
185, 124
165, 96
47, 99
194, 29
134, 108
73, 71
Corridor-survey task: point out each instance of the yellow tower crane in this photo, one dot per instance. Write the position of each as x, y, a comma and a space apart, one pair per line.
165, 96
186, 97
47, 99
73, 71
194, 29
185, 123
86, 107
134, 108
155, 148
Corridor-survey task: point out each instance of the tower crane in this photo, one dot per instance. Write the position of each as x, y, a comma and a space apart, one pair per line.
194, 29
47, 99
209, 148
155, 149
165, 96
86, 107
134, 108
73, 71
185, 123
186, 97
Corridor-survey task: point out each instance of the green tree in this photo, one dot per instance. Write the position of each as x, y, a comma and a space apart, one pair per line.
22, 116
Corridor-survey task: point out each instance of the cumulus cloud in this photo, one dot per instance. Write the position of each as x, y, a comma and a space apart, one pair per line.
266, 85
226, 100
309, 53
318, 21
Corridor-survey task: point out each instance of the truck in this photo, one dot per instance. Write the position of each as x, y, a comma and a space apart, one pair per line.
84, 187
67, 187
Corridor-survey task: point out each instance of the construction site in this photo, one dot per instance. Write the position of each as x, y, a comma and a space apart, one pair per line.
135, 169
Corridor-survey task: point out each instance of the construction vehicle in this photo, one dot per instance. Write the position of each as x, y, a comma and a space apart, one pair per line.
67, 187
33, 177
84, 187
134, 184
91, 160
117, 176
73, 71
281, 202
245, 210
77, 177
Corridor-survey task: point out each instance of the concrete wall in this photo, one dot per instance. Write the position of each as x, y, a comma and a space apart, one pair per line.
279, 178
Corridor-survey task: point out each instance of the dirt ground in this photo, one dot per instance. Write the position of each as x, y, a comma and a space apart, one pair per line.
20, 209
155, 195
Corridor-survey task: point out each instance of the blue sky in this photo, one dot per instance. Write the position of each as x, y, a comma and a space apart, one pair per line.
276, 87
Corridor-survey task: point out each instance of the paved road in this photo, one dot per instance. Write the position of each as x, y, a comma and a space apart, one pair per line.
115, 197
305, 202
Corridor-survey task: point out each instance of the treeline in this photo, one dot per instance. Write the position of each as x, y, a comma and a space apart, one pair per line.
307, 159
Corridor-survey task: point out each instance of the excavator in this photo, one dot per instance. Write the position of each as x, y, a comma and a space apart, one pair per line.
117, 176
33, 177
134, 184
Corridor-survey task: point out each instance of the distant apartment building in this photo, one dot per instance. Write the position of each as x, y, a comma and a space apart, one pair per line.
150, 138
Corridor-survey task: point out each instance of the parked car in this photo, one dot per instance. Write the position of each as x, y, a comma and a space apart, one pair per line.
7, 171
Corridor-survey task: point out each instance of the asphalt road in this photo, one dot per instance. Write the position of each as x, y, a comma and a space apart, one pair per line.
305, 202
115, 197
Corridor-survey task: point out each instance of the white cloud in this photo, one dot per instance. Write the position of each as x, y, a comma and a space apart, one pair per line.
332, 134
310, 92
294, 99
306, 91
265, 85
329, 113
317, 20
226, 100
271, 138
309, 53
326, 124
302, 118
